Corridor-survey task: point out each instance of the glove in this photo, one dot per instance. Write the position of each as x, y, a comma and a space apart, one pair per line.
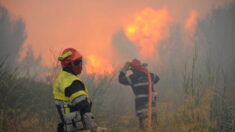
101, 129
89, 121
126, 67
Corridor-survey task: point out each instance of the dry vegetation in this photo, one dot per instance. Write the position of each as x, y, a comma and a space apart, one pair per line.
195, 94
202, 106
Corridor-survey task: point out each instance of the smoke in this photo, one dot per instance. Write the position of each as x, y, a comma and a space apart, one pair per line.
210, 39
124, 48
87, 25
213, 35
190, 24
12, 36
217, 36
101, 29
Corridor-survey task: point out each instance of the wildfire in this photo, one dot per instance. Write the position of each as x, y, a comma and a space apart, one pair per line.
191, 22
98, 65
147, 29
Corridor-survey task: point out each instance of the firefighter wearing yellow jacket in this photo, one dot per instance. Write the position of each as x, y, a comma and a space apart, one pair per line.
71, 96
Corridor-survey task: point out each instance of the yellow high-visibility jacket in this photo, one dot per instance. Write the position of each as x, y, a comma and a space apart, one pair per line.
63, 81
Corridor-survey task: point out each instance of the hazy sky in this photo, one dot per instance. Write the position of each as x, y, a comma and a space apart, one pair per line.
89, 25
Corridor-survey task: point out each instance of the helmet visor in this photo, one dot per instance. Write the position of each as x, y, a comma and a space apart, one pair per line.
77, 62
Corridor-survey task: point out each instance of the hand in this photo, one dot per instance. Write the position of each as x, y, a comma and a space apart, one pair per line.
126, 67
101, 129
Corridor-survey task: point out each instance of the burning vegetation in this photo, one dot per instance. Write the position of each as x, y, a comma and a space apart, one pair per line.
98, 65
195, 92
147, 29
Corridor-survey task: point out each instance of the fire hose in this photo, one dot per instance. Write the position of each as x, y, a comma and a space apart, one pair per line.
150, 99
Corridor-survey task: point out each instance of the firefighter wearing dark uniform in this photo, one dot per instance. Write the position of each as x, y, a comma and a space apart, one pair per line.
138, 81
71, 96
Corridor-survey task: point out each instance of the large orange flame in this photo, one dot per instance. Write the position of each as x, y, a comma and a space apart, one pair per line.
147, 29
97, 65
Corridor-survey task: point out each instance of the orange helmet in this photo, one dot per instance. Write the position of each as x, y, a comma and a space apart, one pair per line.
71, 57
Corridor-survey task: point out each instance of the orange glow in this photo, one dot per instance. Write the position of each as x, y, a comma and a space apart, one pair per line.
89, 26
98, 65
190, 24
147, 29
131, 29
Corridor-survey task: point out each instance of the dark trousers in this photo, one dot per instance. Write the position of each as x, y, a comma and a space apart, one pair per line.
143, 120
60, 127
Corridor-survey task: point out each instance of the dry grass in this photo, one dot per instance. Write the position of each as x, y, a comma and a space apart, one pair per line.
27, 105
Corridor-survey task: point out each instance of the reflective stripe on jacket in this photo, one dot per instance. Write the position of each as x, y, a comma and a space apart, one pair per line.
66, 102
63, 81
139, 84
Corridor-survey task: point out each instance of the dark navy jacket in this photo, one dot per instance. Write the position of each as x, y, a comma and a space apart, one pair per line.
139, 84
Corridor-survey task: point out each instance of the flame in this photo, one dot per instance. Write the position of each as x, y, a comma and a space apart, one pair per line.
97, 65
147, 29
190, 24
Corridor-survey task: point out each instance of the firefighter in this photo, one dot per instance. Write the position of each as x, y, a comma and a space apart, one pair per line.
138, 80
71, 96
